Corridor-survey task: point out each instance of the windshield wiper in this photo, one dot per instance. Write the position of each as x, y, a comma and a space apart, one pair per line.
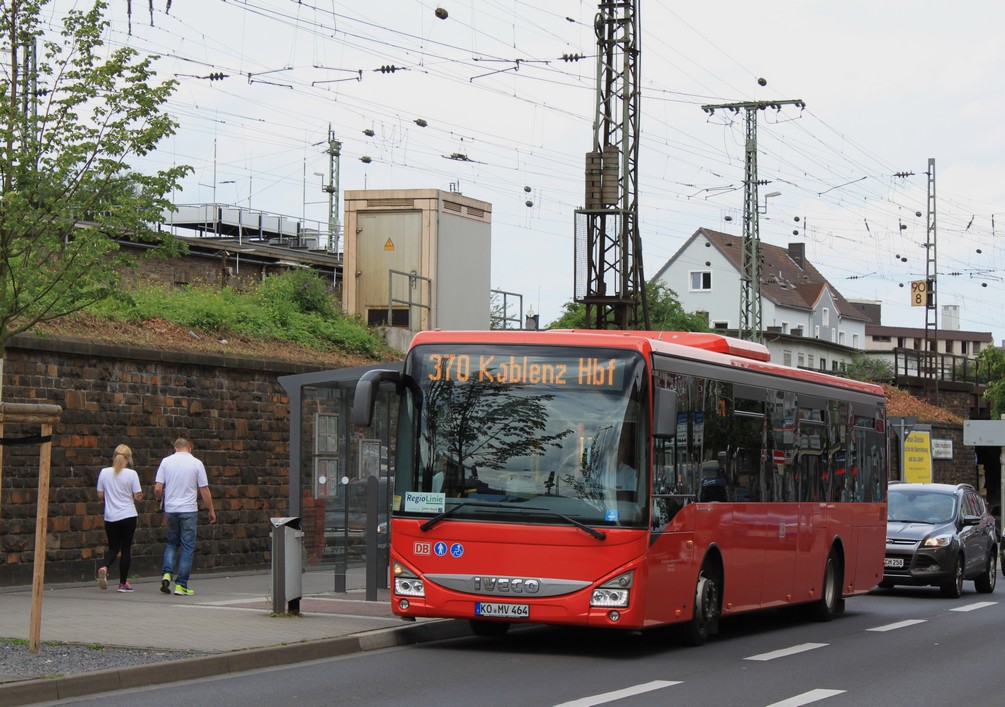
598, 534
429, 524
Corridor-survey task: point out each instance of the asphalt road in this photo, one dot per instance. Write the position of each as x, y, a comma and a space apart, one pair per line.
903, 647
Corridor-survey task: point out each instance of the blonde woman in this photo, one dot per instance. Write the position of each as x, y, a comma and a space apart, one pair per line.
119, 489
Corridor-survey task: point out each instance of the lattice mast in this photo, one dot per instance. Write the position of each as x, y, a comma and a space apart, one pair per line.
609, 277
332, 189
932, 290
750, 319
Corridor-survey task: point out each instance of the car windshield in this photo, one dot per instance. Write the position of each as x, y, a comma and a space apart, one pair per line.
920, 506
522, 433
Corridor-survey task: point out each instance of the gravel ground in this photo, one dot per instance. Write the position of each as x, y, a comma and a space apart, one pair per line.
57, 660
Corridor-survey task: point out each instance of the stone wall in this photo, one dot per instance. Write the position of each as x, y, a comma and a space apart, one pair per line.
232, 408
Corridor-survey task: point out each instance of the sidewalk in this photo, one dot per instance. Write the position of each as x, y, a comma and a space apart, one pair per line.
229, 618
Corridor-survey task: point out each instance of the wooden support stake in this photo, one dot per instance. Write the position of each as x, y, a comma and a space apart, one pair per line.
41, 532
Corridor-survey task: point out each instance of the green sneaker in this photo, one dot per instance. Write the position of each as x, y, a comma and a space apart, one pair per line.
183, 591
166, 583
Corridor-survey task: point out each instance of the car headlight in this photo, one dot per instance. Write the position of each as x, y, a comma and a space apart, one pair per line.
406, 583
937, 540
615, 593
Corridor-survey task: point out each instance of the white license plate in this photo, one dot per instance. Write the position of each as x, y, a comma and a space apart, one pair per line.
503, 611
894, 562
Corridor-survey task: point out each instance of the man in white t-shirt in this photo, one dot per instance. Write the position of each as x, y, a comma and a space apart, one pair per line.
181, 479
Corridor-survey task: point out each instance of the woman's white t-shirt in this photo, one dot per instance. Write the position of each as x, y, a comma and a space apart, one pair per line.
119, 489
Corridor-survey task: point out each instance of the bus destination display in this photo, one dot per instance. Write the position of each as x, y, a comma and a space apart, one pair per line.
581, 372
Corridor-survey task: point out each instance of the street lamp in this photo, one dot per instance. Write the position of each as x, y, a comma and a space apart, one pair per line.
767, 196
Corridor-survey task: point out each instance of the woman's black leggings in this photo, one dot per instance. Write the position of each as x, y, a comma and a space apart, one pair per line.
120, 540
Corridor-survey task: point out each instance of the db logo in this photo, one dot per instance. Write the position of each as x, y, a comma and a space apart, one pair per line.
422, 548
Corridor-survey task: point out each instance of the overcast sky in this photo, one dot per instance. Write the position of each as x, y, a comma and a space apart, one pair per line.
887, 85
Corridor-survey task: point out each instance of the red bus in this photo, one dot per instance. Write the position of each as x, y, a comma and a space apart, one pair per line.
627, 480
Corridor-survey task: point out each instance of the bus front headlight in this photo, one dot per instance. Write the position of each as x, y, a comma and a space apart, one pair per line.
615, 593
406, 583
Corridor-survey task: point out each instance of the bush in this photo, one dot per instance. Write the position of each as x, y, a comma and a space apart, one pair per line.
295, 307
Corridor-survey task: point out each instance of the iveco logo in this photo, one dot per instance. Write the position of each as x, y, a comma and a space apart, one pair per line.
513, 585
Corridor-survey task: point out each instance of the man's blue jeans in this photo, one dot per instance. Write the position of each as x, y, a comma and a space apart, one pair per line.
180, 533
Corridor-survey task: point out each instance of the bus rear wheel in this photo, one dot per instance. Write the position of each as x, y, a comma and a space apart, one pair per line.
831, 603
490, 629
705, 618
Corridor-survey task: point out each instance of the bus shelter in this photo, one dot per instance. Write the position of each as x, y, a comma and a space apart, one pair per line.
331, 462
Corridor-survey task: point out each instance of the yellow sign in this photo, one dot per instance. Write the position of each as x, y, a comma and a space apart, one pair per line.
920, 293
389, 245
918, 457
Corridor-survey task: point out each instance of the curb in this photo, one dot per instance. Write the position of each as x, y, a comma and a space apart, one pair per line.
29, 692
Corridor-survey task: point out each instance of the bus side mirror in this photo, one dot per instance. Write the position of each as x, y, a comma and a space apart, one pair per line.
366, 394
665, 413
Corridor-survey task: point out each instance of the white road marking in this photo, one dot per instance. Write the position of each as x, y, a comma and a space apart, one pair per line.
807, 697
978, 605
620, 694
801, 648
899, 624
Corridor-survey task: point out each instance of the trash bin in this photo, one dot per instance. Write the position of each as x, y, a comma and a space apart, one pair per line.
287, 561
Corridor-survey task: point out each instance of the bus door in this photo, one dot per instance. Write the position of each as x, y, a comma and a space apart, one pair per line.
812, 475
781, 510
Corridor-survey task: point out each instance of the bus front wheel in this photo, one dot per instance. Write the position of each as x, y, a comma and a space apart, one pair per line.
705, 618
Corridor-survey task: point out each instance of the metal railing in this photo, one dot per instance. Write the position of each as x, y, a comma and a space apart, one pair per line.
940, 366
413, 282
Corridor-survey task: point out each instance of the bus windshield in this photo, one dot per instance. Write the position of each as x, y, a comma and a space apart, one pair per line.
536, 434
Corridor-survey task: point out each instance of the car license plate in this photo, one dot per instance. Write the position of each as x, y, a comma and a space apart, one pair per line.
502, 611
894, 562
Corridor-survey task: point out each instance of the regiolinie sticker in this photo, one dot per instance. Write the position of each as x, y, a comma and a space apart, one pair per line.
424, 502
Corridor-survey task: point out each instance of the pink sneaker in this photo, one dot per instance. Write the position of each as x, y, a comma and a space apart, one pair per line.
126, 587
103, 578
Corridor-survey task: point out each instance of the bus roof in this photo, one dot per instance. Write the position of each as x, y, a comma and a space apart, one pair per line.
714, 348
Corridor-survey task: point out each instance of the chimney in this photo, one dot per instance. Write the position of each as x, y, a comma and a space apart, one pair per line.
797, 251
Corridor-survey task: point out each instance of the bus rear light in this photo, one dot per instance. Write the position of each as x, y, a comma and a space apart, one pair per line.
406, 583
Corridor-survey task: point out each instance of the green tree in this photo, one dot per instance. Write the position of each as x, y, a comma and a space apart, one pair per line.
992, 363
665, 313
73, 115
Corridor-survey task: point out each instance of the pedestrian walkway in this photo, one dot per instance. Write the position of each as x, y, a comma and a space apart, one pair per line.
229, 617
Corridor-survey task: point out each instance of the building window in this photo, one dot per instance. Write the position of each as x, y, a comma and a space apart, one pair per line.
785, 327
326, 453
802, 360
787, 358
854, 340
720, 325
701, 280
816, 332
841, 338
812, 360
826, 317
823, 364
977, 348
963, 347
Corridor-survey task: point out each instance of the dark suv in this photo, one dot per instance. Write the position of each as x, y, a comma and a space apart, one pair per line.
939, 534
